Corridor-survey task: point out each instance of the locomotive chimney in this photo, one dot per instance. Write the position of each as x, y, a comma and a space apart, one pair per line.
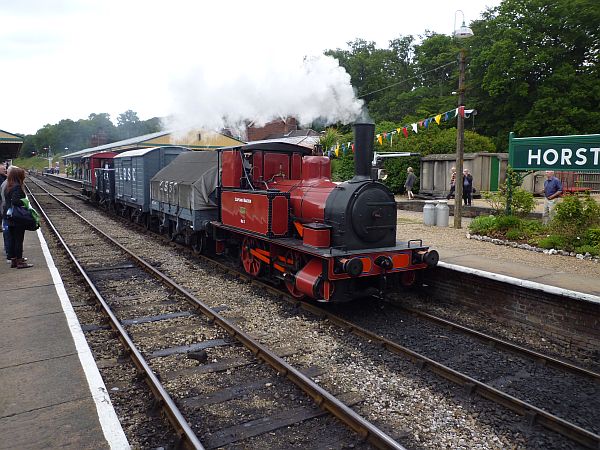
364, 135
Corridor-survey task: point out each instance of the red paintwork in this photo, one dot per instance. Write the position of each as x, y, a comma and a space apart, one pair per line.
279, 216
319, 237
231, 164
250, 211
308, 276
96, 161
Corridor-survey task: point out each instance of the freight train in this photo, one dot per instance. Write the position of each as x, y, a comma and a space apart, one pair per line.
273, 208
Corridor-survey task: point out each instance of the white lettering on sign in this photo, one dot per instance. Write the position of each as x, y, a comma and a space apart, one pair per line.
538, 156
565, 157
595, 151
581, 159
242, 200
554, 154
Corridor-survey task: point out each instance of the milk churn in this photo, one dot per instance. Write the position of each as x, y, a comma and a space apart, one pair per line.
442, 213
429, 213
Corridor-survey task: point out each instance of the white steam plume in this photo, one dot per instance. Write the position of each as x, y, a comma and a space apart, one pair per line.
316, 88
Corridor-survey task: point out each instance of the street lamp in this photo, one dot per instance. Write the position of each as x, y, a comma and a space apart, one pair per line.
460, 33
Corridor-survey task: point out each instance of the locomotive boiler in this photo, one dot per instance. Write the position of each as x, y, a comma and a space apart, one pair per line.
287, 220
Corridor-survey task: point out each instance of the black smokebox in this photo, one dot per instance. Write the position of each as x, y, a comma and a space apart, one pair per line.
364, 135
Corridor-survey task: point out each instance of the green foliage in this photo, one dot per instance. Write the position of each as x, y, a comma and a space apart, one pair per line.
532, 67
553, 241
504, 223
483, 225
592, 236
591, 249
342, 169
522, 201
577, 214
330, 138
515, 234
397, 174
69, 136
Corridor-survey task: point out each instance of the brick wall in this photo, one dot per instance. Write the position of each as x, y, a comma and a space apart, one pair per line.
274, 128
574, 324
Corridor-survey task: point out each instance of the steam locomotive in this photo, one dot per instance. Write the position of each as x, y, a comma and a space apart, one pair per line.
273, 207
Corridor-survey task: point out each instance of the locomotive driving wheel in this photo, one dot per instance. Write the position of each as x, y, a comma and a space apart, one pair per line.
296, 260
252, 265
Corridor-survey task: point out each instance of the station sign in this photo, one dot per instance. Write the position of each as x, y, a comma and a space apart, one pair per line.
579, 153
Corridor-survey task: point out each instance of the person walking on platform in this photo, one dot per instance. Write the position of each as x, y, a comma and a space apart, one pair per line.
452, 183
552, 192
410, 181
467, 187
14, 193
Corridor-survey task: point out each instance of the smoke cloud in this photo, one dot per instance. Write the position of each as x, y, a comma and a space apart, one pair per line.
216, 98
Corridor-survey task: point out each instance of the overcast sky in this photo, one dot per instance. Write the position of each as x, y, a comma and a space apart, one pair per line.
68, 58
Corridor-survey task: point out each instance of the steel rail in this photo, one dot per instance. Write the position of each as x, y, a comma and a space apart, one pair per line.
533, 413
187, 436
500, 343
325, 400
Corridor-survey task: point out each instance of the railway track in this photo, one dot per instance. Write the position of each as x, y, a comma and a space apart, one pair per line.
471, 385
169, 340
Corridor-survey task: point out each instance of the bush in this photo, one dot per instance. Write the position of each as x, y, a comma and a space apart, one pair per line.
483, 224
577, 212
553, 241
522, 201
503, 223
592, 236
515, 234
591, 249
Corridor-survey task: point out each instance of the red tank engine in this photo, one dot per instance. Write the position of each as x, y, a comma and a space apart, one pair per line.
329, 241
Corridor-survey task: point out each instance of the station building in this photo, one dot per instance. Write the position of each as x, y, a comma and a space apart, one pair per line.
10, 145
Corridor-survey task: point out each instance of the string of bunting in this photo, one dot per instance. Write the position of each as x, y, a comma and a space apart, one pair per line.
403, 131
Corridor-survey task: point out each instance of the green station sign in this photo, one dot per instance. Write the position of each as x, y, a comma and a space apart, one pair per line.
573, 153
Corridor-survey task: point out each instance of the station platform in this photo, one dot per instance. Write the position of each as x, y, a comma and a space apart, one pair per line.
455, 249
51, 392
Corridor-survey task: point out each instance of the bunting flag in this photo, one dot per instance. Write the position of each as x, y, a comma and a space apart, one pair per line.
438, 118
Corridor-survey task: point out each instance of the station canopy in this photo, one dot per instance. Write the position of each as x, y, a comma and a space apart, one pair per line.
10, 145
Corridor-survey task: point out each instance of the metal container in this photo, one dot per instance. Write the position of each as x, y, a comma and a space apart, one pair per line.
442, 213
429, 213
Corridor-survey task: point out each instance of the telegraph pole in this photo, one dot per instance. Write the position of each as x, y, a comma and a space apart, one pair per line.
460, 143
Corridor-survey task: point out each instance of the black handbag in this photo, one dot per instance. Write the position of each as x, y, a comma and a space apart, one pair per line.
19, 216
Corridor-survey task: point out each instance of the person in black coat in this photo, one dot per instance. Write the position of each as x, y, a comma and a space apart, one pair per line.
467, 187
14, 193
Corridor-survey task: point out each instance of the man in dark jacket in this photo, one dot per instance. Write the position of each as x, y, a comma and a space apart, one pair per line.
467, 187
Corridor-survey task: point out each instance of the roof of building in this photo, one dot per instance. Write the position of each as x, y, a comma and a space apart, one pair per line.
304, 141
10, 145
5, 136
150, 140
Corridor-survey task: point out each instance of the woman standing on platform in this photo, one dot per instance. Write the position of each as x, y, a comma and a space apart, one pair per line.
13, 195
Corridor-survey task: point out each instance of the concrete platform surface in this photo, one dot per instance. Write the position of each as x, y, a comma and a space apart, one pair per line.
51, 393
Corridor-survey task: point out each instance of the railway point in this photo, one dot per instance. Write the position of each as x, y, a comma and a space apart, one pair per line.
51, 393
